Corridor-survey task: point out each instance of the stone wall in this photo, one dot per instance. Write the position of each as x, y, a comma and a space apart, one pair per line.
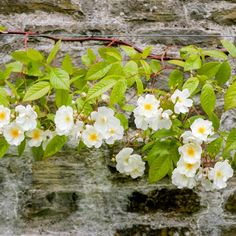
82, 194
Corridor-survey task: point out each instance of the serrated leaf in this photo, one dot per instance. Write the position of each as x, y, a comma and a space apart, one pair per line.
146, 68
230, 142
67, 64
35, 55
131, 52
131, 71
224, 73
83, 106
177, 63
159, 168
3, 147
155, 66
193, 63
191, 84
101, 87
230, 97
176, 79
53, 52
229, 47
37, 91
98, 70
118, 91
59, 79
110, 54
209, 69
3, 97
63, 98
208, 99
214, 147
55, 145
215, 54
146, 52
123, 120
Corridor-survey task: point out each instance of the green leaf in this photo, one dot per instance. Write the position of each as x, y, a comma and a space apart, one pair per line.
123, 120
98, 70
55, 145
146, 52
146, 68
209, 69
177, 63
21, 147
83, 106
215, 54
155, 66
110, 54
21, 56
54, 52
2, 28
208, 99
191, 84
224, 73
3, 97
35, 55
63, 98
229, 47
131, 71
214, 147
139, 85
89, 58
67, 64
131, 52
59, 79
37, 91
230, 97
101, 87
118, 91
230, 142
176, 79
159, 168
128, 107
193, 63
161, 133
3, 147
215, 120
16, 67
37, 153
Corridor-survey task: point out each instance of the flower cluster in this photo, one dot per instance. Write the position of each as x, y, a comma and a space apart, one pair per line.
148, 114
189, 168
130, 164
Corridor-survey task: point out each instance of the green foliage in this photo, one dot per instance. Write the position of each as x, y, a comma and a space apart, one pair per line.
3, 147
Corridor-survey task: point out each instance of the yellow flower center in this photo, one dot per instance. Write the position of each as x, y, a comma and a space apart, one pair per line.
15, 133
179, 99
188, 166
93, 137
103, 119
201, 130
218, 173
191, 151
67, 119
36, 135
2, 115
112, 131
148, 106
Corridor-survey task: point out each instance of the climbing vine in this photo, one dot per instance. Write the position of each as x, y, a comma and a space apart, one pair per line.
175, 131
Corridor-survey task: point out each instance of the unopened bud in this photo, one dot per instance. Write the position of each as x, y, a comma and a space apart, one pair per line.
105, 98
173, 116
83, 94
113, 159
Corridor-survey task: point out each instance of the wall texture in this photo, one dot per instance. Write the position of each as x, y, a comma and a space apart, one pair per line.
82, 194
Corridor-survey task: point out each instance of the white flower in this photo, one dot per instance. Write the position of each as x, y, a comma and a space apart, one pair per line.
114, 131
92, 137
221, 172
5, 115
140, 122
47, 136
181, 101
64, 120
26, 117
136, 166
202, 129
181, 180
36, 136
128, 164
147, 106
188, 137
105, 98
14, 134
161, 120
186, 168
191, 152
102, 118
75, 133
122, 159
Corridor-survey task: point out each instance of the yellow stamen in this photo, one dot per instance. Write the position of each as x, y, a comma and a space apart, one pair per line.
67, 119
2, 115
14, 132
93, 137
148, 106
36, 135
202, 130
218, 173
191, 151
103, 119
112, 131
189, 166
179, 99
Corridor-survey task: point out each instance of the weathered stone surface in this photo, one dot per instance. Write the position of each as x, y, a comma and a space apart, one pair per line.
230, 204
227, 17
